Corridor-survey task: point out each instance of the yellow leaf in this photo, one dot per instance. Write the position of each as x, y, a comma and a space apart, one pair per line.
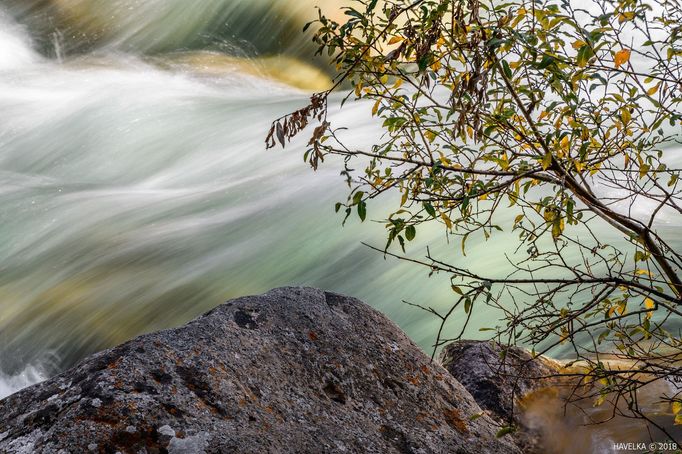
375, 109
643, 170
677, 407
649, 303
621, 308
595, 169
626, 16
565, 143
652, 91
625, 116
395, 40
600, 401
678, 420
558, 228
547, 161
543, 114
578, 44
621, 57
446, 219
430, 135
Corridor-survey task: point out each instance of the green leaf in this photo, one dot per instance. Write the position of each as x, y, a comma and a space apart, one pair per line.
362, 211
546, 61
505, 431
584, 55
430, 209
507, 70
410, 232
475, 416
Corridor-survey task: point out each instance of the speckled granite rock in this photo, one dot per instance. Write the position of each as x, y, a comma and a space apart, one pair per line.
294, 370
499, 382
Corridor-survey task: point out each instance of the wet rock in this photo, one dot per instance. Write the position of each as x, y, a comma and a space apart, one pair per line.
294, 370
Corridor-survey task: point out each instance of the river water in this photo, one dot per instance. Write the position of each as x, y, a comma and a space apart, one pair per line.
136, 191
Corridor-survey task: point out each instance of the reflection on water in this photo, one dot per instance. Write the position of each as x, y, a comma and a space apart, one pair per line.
580, 427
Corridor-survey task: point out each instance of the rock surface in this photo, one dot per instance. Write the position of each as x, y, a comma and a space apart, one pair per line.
294, 370
496, 381
499, 382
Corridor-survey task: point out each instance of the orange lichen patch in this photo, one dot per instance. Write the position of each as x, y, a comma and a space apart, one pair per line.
414, 380
114, 364
312, 335
453, 417
425, 369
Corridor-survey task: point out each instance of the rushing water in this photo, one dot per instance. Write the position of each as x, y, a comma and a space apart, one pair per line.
137, 194
136, 190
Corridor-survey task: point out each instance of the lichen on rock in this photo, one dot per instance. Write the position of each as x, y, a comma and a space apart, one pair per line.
293, 370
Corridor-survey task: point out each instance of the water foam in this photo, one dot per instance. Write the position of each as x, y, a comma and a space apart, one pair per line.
9, 384
15, 46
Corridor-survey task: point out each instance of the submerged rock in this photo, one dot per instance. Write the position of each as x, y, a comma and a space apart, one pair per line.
294, 370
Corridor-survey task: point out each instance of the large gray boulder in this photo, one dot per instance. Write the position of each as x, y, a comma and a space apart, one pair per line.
294, 370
